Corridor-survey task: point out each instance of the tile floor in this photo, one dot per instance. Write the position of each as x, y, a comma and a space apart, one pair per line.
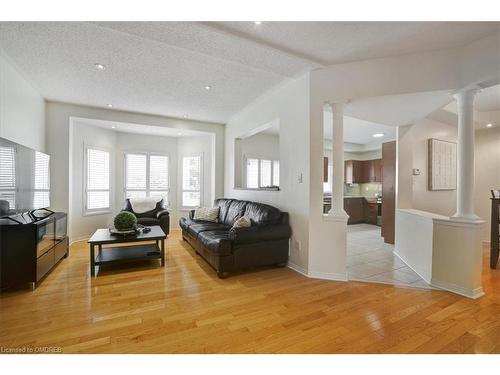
370, 259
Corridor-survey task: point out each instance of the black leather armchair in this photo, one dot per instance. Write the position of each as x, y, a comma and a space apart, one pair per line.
229, 249
158, 216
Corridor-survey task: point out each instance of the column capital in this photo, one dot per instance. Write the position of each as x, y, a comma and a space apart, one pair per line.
468, 92
337, 105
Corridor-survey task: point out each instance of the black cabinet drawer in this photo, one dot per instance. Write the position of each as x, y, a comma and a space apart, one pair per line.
60, 250
44, 264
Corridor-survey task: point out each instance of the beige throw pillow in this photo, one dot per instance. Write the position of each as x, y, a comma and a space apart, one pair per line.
207, 214
242, 222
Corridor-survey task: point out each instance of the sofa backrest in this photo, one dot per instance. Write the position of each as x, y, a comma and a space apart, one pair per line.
223, 204
262, 214
235, 211
259, 213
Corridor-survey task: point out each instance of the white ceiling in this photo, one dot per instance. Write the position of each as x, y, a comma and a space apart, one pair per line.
125, 127
360, 131
162, 67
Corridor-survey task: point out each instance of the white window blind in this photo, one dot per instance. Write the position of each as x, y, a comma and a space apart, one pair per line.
191, 181
276, 173
97, 182
41, 195
146, 175
262, 173
252, 173
8, 175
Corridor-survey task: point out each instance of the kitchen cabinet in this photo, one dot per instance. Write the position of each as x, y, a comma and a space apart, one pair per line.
354, 207
371, 211
363, 171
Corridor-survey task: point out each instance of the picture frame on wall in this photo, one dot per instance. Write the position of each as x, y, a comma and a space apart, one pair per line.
442, 169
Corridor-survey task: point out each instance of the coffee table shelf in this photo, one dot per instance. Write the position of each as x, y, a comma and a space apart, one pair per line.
126, 253
121, 254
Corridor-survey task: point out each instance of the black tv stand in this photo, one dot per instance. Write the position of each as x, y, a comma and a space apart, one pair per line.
29, 251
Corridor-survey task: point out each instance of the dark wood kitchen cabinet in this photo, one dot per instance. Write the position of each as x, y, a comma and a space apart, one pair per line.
371, 211
363, 171
354, 207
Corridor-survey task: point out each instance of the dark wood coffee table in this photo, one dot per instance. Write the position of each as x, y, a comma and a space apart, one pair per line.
120, 254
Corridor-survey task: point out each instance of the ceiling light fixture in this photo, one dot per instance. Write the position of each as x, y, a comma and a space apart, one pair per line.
113, 127
208, 87
378, 135
257, 22
185, 116
179, 133
100, 66
109, 105
489, 125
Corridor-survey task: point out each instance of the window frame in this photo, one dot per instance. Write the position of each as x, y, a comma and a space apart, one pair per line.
148, 173
259, 173
96, 211
181, 180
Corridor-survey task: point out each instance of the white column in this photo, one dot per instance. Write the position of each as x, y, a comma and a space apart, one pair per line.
337, 157
465, 152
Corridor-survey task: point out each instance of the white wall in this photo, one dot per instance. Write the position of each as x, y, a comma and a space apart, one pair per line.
442, 202
289, 104
80, 225
57, 135
487, 160
22, 108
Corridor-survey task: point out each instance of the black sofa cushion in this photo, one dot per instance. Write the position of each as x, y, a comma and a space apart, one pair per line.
216, 241
261, 214
235, 211
195, 229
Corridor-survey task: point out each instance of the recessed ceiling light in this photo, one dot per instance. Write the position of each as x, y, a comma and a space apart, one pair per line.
185, 116
257, 22
100, 66
113, 127
179, 133
489, 125
378, 135
109, 105
208, 87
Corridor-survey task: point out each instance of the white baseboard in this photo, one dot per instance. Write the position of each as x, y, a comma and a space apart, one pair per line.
78, 239
328, 276
297, 268
470, 293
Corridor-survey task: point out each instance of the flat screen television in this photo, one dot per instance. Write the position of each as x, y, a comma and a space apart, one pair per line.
24, 180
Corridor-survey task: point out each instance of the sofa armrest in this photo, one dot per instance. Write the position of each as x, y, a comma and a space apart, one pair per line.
260, 234
162, 213
191, 214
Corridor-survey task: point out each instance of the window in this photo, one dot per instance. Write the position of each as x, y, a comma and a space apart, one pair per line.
262, 173
8, 175
41, 196
191, 181
97, 191
146, 175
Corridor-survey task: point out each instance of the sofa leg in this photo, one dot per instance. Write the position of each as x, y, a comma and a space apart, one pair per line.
222, 275
281, 265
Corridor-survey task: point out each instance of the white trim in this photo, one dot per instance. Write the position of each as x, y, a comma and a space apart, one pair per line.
297, 268
470, 293
79, 238
328, 276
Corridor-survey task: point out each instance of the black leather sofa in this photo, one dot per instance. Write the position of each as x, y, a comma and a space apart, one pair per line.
229, 249
158, 216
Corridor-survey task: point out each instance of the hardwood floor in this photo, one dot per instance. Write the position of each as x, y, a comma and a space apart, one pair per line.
185, 308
